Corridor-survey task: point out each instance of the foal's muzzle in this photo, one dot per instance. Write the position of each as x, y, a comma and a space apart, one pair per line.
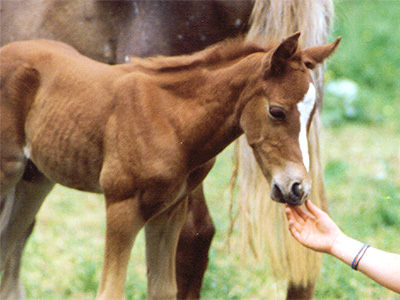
294, 194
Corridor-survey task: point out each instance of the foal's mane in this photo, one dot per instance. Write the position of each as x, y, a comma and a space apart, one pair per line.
223, 52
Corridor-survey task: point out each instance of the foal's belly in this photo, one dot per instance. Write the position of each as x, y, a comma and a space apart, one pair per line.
74, 167
66, 147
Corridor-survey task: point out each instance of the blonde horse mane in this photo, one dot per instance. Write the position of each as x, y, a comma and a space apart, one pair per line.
262, 223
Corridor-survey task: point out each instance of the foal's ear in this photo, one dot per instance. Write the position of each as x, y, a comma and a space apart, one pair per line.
315, 55
284, 51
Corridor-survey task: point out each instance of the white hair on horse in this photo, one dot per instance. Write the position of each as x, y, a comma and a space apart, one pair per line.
263, 225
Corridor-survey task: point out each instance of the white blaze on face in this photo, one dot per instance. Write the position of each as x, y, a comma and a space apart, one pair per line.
305, 108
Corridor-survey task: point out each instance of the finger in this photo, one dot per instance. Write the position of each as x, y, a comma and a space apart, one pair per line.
296, 223
289, 214
291, 221
313, 209
294, 231
302, 213
294, 215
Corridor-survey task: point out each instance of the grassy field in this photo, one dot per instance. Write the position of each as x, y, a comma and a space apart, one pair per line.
360, 150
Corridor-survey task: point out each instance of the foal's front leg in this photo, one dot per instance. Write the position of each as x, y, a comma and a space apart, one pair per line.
162, 234
124, 221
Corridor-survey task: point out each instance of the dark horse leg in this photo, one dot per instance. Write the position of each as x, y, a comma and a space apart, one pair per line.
300, 292
194, 244
192, 253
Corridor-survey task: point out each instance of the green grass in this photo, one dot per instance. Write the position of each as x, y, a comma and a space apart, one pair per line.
368, 55
362, 179
361, 153
362, 173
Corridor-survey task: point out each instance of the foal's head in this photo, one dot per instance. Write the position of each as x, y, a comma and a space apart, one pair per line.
277, 119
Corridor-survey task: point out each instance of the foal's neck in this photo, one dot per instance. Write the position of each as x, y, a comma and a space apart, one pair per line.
221, 95
203, 101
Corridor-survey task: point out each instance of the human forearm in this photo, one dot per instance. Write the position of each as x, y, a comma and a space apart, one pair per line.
381, 266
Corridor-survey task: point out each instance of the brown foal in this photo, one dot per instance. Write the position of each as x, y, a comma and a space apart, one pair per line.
146, 134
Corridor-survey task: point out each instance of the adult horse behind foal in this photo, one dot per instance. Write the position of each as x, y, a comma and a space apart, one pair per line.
160, 122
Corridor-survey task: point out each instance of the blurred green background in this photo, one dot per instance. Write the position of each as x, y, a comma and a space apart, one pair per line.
360, 152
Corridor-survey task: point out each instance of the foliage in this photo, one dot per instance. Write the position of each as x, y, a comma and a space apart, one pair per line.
369, 56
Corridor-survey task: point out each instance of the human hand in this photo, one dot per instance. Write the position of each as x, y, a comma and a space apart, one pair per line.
316, 230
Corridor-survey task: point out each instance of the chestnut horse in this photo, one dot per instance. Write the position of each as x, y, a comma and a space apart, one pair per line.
159, 125
109, 30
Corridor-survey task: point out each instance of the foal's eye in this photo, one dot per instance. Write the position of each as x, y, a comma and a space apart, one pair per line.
277, 112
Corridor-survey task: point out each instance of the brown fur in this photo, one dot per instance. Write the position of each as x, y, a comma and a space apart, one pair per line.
109, 30
154, 141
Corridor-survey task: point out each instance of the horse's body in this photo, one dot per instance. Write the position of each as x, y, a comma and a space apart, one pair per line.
108, 31
159, 124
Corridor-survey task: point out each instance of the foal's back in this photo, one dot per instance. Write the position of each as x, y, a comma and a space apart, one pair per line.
48, 56
52, 98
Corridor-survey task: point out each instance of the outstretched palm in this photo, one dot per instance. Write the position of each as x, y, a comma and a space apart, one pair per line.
315, 230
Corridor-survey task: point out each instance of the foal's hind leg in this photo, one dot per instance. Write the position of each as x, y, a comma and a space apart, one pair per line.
19, 209
11, 286
29, 194
194, 244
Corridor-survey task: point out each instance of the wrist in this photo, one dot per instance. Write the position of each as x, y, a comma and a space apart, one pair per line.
345, 248
338, 243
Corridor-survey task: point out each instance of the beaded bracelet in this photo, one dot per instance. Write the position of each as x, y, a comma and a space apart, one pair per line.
358, 257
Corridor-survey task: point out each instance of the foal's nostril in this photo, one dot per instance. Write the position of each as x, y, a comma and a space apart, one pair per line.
276, 194
292, 196
297, 189
296, 193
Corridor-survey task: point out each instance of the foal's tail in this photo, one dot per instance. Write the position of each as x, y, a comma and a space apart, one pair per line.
263, 225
